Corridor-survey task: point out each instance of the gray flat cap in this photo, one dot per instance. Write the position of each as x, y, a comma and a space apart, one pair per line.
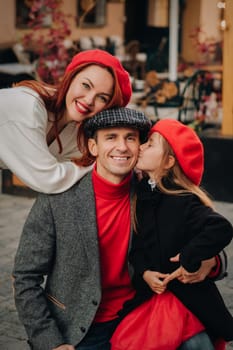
117, 117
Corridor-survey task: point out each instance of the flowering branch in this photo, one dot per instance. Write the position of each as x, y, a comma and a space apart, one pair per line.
206, 47
50, 48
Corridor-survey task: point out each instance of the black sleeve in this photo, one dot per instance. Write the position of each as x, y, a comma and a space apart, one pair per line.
213, 232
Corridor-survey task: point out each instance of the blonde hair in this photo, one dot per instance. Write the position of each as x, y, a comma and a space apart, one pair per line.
173, 175
176, 176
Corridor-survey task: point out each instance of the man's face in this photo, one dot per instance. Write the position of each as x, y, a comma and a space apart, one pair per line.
116, 151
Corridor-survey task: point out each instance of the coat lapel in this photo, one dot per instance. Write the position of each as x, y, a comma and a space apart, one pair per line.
87, 225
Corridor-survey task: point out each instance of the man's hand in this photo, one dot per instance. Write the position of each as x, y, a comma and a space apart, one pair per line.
191, 277
155, 281
64, 347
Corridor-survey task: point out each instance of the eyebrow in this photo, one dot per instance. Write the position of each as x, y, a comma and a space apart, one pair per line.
101, 93
151, 140
131, 133
134, 133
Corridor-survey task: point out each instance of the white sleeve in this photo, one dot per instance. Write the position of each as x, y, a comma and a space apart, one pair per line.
23, 149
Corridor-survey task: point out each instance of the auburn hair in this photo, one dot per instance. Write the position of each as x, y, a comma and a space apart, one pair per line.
54, 98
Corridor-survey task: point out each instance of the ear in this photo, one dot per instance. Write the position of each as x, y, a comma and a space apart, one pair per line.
92, 146
170, 162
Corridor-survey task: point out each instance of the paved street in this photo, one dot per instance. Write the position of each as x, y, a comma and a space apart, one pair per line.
13, 212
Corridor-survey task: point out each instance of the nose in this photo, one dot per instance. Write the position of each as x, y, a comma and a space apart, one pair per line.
141, 147
122, 146
90, 98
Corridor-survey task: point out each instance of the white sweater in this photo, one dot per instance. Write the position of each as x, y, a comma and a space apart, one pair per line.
23, 149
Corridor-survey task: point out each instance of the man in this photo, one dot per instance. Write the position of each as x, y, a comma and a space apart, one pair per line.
79, 240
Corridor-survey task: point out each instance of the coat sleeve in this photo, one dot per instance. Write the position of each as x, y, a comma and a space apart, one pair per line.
24, 151
210, 233
33, 260
136, 255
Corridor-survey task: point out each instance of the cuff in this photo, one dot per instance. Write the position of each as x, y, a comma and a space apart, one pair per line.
220, 270
216, 269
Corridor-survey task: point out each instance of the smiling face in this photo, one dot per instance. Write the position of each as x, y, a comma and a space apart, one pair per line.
156, 157
89, 93
116, 151
150, 155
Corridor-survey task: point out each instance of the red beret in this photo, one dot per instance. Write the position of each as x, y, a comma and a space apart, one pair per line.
186, 146
108, 60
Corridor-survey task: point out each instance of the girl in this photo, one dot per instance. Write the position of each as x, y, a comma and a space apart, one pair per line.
174, 216
39, 123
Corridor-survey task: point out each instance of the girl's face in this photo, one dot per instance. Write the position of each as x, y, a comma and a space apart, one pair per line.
151, 155
89, 93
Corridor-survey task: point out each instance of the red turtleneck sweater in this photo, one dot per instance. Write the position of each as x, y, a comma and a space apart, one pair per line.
113, 224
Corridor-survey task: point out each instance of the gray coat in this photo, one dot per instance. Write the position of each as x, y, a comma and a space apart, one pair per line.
59, 240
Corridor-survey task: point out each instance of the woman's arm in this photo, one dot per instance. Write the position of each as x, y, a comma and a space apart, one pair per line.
23, 149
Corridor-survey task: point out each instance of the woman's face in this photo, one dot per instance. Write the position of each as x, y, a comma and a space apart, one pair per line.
150, 155
89, 93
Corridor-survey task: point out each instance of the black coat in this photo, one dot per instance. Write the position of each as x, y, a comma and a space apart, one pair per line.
169, 225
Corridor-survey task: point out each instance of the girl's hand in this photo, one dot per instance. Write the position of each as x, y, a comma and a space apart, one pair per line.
155, 280
191, 277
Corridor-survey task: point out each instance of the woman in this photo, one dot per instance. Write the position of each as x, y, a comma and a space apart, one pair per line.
174, 216
39, 123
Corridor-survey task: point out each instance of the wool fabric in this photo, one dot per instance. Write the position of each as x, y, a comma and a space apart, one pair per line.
186, 146
118, 117
113, 224
106, 59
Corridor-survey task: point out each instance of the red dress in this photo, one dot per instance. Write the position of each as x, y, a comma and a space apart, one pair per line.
160, 323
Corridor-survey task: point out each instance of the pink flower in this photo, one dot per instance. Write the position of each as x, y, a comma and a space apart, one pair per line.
52, 54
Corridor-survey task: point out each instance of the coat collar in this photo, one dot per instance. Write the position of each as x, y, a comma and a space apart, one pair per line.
86, 223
